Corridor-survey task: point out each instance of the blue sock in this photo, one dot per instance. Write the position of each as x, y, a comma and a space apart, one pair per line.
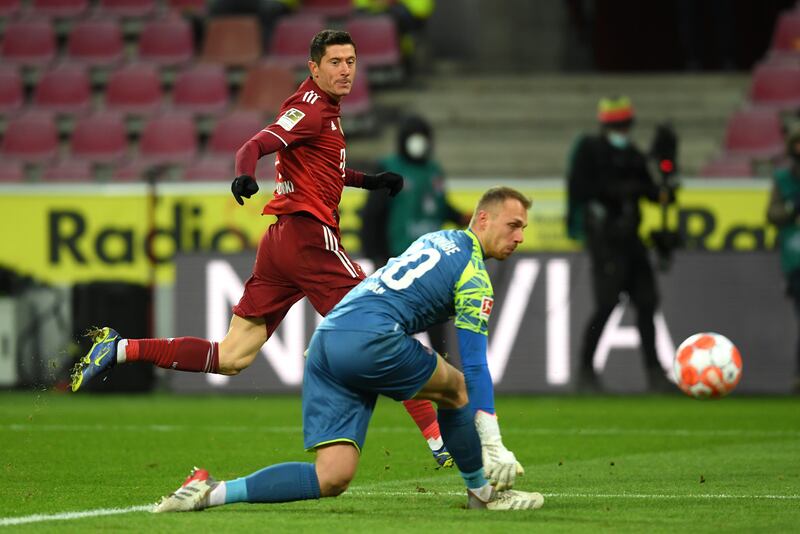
461, 439
292, 481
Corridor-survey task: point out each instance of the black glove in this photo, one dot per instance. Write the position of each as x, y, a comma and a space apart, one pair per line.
389, 180
243, 186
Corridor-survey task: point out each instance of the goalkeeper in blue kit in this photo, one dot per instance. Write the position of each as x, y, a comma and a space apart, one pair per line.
364, 348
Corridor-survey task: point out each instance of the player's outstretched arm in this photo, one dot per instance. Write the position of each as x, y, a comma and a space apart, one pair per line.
383, 180
261, 144
499, 464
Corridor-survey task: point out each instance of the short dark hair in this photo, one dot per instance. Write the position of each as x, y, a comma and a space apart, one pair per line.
326, 38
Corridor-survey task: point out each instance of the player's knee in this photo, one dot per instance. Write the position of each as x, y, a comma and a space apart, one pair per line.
334, 479
334, 484
336, 466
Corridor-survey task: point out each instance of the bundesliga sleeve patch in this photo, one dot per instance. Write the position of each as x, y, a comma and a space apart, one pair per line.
486, 307
290, 118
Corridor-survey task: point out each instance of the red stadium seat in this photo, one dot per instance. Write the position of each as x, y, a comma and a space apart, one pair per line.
210, 169
166, 42
327, 8
10, 8
201, 89
727, 166
64, 89
291, 39
31, 137
12, 93
168, 139
130, 171
99, 138
96, 42
12, 172
68, 170
266, 86
195, 7
786, 35
377, 41
776, 84
134, 89
127, 8
755, 133
232, 131
232, 41
59, 8
29, 42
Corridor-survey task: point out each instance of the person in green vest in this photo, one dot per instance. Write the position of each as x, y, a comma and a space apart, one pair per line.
784, 212
389, 228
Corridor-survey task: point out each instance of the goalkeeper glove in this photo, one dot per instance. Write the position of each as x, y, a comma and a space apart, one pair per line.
243, 186
389, 180
499, 464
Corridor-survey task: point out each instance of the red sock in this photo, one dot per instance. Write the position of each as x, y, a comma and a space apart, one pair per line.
423, 413
180, 353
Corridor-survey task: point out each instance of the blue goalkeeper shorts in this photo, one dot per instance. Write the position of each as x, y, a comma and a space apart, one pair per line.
346, 371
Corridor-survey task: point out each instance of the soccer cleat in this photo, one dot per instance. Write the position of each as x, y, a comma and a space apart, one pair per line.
506, 500
101, 357
443, 457
193, 495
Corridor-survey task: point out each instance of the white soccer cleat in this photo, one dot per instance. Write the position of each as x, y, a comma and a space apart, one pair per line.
506, 500
193, 495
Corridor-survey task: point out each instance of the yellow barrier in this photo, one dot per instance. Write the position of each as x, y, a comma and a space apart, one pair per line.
73, 233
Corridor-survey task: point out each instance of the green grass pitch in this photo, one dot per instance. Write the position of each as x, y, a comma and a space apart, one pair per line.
618, 464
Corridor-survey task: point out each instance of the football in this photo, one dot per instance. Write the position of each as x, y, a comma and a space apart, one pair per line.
707, 365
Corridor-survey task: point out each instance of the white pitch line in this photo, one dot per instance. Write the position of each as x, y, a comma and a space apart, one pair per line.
676, 432
653, 496
38, 518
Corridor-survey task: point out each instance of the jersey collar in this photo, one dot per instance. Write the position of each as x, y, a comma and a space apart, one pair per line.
476, 244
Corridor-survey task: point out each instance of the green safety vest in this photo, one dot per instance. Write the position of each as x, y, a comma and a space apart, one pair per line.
420, 207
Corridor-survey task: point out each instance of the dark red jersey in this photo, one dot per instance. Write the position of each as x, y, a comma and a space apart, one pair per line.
311, 165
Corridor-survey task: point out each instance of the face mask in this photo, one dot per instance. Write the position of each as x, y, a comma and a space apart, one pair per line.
618, 140
417, 145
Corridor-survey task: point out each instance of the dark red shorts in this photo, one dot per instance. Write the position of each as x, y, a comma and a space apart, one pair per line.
298, 256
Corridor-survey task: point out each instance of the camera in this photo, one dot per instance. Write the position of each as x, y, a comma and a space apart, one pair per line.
664, 153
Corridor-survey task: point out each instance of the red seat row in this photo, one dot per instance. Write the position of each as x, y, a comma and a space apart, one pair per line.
97, 42
168, 41
103, 138
133, 88
109, 8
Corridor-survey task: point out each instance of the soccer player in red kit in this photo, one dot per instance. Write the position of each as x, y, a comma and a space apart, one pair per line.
301, 253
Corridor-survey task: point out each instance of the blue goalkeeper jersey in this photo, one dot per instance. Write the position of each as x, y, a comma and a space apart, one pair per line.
441, 275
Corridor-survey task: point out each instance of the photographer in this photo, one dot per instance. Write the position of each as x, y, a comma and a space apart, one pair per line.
607, 178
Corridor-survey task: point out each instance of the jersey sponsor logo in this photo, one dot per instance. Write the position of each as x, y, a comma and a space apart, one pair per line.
290, 118
486, 307
310, 96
